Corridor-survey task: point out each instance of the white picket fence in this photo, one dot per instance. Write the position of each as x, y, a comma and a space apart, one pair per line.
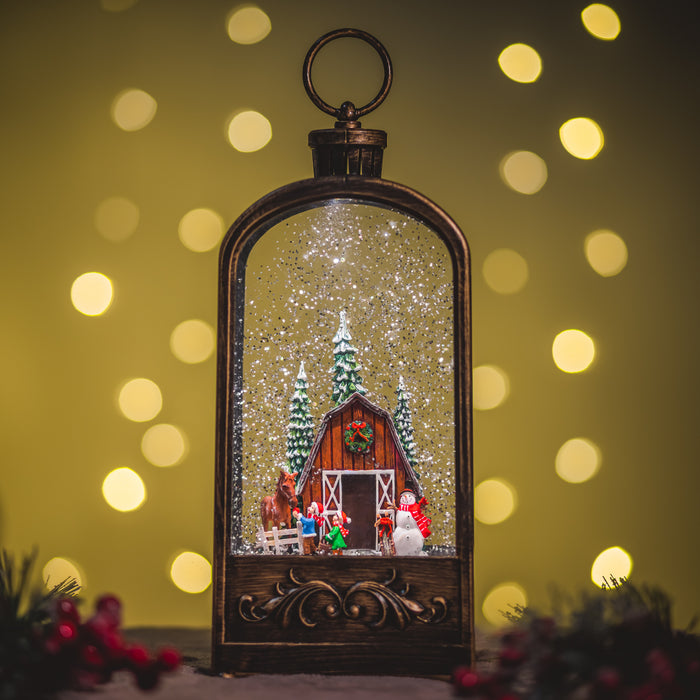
277, 541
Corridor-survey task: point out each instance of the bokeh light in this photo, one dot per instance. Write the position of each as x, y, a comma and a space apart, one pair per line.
140, 400
200, 230
191, 572
573, 350
606, 252
582, 137
248, 25
601, 21
133, 109
501, 599
249, 131
59, 569
577, 460
524, 172
123, 489
116, 218
163, 445
494, 501
521, 63
505, 271
613, 561
193, 341
491, 387
92, 293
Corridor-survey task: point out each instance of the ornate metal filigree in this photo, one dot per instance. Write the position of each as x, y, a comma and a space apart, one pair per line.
291, 599
390, 602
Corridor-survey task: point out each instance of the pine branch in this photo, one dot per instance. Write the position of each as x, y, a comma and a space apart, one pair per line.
19, 602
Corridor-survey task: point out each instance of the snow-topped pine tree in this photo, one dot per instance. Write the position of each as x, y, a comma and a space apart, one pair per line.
346, 378
404, 423
300, 430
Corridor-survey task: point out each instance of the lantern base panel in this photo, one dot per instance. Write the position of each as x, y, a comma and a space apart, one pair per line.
343, 615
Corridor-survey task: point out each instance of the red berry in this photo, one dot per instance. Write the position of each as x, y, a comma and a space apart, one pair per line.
544, 628
113, 645
52, 646
92, 657
169, 659
514, 638
108, 602
645, 692
66, 610
98, 626
660, 666
66, 631
510, 657
110, 606
608, 678
459, 672
468, 681
138, 657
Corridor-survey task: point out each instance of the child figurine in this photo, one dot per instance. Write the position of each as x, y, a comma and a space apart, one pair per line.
315, 510
385, 525
344, 520
308, 529
335, 536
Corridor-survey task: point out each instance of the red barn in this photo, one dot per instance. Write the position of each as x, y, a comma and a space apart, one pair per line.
357, 483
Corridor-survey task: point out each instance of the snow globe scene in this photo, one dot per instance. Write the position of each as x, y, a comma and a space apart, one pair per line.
347, 439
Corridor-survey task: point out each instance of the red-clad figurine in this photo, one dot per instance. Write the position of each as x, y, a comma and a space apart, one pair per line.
344, 520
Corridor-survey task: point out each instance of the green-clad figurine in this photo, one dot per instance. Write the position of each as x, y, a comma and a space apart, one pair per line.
335, 537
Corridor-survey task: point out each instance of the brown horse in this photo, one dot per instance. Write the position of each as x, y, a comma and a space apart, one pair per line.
276, 511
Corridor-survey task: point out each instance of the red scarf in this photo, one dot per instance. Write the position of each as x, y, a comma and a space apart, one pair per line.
423, 521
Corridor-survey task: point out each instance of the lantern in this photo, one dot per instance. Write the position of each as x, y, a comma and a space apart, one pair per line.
343, 523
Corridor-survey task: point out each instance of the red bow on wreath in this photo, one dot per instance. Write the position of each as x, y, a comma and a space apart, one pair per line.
357, 427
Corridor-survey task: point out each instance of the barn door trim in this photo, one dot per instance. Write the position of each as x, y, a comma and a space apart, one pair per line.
332, 494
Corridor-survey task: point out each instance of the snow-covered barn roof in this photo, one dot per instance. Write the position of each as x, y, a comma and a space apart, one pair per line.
358, 398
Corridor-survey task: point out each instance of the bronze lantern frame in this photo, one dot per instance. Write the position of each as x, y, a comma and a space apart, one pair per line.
285, 613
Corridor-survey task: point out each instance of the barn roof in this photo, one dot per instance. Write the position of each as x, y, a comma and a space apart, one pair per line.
357, 398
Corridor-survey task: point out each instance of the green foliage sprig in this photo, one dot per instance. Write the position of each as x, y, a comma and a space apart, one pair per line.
618, 644
46, 647
24, 615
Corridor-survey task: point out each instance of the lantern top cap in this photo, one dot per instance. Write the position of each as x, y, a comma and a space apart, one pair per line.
347, 149
347, 112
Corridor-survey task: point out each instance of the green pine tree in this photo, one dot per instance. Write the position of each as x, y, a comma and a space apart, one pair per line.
404, 423
300, 429
346, 378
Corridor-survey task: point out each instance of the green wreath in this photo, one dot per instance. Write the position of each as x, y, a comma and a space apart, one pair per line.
358, 436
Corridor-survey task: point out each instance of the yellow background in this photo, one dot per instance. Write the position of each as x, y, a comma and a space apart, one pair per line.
451, 116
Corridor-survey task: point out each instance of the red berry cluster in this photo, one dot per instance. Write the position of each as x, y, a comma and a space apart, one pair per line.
634, 658
498, 683
84, 654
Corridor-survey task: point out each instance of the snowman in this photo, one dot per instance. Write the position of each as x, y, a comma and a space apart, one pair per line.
412, 527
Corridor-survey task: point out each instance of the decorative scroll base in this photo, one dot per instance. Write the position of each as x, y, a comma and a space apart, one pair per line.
293, 604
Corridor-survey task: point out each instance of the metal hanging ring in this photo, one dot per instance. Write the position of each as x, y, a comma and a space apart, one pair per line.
347, 111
